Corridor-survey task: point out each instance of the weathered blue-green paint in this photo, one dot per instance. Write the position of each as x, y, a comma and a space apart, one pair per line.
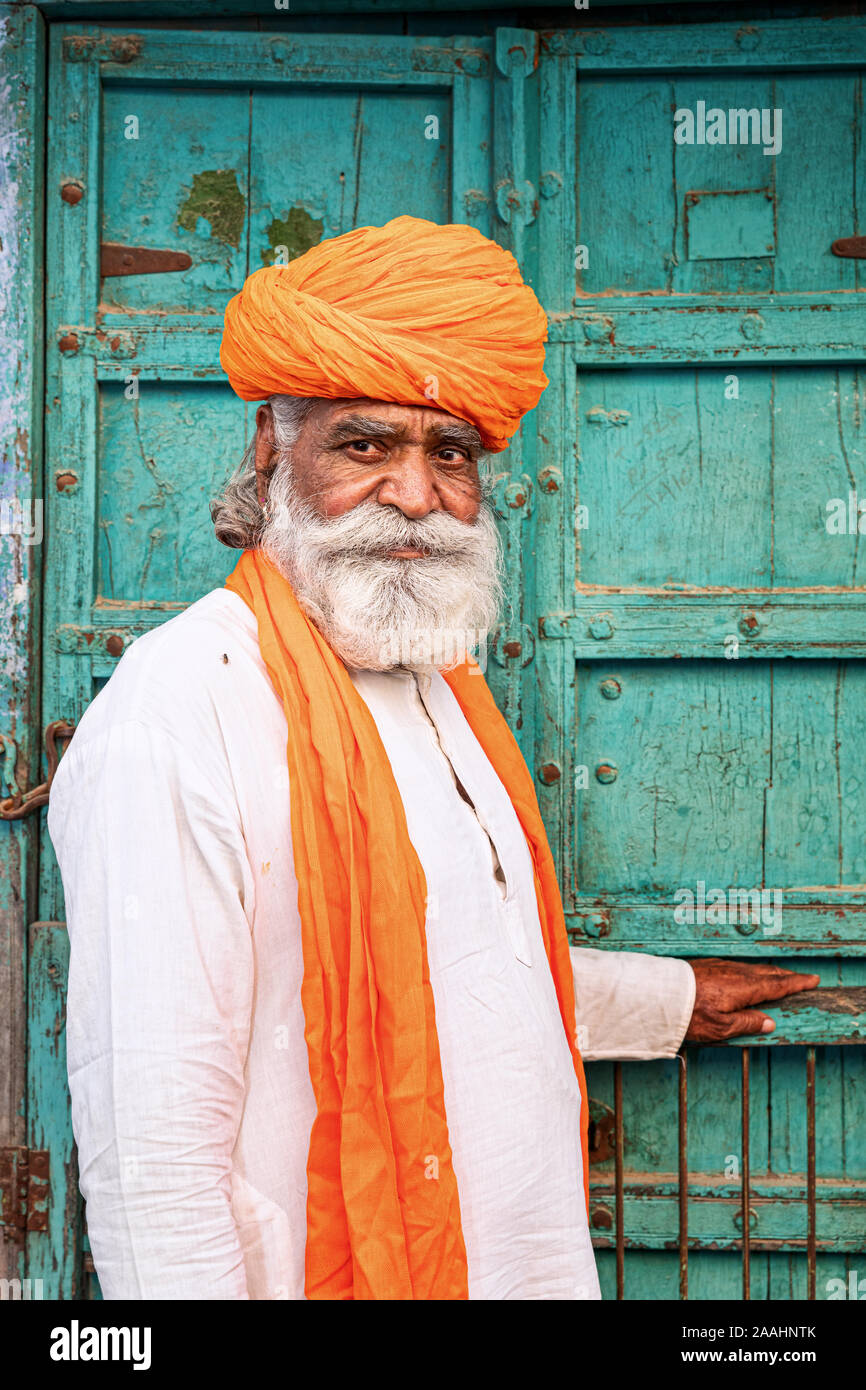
704, 751
53, 1255
730, 226
648, 517
21, 390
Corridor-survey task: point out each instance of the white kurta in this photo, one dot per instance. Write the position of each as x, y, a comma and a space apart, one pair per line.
191, 1098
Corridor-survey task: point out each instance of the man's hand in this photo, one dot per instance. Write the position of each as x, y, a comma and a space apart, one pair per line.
726, 988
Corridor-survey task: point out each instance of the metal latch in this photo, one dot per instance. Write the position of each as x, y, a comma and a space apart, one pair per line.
22, 803
117, 259
851, 246
23, 1191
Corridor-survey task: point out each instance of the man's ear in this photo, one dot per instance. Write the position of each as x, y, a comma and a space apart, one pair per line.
265, 450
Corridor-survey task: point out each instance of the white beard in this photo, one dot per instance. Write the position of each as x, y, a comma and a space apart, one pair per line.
379, 613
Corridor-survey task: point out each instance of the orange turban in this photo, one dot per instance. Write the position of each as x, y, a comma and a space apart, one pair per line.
412, 312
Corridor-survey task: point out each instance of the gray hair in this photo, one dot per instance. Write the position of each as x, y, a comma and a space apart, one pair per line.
236, 514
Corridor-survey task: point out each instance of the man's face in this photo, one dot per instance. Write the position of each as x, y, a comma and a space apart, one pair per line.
412, 457
376, 516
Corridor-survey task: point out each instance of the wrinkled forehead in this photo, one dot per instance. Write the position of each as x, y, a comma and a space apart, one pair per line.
390, 421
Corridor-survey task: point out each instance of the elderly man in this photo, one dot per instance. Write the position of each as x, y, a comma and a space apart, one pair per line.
322, 1027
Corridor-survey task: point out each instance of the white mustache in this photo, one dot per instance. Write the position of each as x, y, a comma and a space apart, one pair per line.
371, 529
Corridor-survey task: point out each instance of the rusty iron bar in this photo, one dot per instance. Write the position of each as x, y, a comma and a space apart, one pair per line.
746, 1178
683, 1166
618, 1153
811, 1193
23, 803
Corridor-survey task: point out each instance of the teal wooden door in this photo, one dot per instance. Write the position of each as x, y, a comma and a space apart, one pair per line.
227, 149
654, 520
698, 694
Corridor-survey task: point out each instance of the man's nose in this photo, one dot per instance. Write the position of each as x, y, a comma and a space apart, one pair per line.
410, 485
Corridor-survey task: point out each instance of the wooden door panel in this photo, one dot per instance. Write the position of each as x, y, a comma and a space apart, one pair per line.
326, 153
689, 743
674, 478
814, 835
161, 457
818, 463
182, 185
737, 774
680, 482
648, 229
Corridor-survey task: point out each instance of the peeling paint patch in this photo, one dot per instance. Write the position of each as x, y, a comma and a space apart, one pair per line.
297, 232
16, 365
607, 418
217, 199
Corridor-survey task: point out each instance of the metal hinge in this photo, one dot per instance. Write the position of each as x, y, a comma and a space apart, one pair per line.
23, 1191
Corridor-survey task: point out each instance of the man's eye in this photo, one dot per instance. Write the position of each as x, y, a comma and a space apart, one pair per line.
362, 445
453, 456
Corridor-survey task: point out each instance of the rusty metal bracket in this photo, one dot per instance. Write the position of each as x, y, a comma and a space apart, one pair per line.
853, 247
21, 803
116, 259
23, 1191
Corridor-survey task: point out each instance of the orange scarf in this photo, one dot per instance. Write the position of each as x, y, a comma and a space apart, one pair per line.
383, 1216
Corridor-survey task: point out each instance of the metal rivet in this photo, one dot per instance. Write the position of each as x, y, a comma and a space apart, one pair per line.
598, 328
748, 625
550, 184
602, 1218
472, 62
596, 926
515, 495
746, 928
513, 648
550, 479
752, 326
601, 629
114, 644
68, 343
66, 480
71, 192
611, 689
606, 772
549, 773
753, 1219
747, 38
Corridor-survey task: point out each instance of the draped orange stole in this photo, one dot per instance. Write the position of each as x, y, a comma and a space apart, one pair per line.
383, 1214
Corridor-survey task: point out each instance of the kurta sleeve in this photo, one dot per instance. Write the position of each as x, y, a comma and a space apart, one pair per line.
159, 905
630, 1006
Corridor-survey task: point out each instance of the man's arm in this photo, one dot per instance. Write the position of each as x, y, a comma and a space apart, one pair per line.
159, 902
637, 1007
630, 1006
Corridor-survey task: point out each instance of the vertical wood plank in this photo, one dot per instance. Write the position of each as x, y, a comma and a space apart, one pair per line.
22, 134
555, 479
72, 285
53, 1255
72, 293
513, 167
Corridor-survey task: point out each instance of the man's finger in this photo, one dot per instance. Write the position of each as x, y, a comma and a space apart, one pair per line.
748, 1021
776, 986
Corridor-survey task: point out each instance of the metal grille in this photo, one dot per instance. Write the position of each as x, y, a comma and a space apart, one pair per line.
809, 1233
